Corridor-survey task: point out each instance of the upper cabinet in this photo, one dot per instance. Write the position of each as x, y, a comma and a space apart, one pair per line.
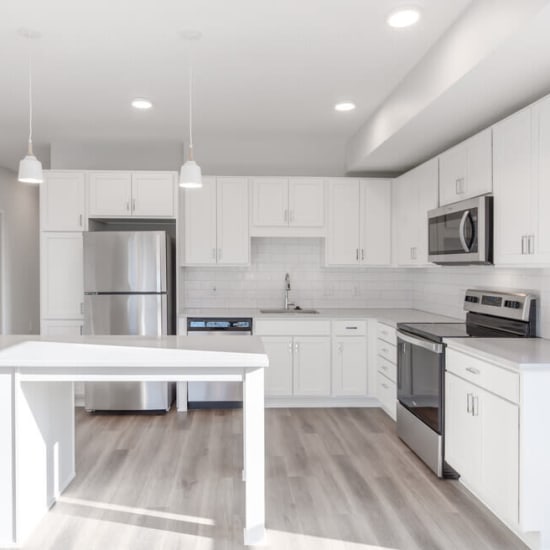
359, 226
216, 223
414, 193
62, 201
521, 191
287, 206
140, 194
465, 171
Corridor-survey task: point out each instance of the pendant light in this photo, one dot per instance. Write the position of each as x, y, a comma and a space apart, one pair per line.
30, 168
190, 173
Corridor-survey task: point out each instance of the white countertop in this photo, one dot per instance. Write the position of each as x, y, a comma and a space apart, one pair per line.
131, 351
389, 316
512, 353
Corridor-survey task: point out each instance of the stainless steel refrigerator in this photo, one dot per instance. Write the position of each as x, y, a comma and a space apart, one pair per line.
128, 290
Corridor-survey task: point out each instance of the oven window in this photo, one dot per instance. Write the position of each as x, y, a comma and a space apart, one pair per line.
419, 383
444, 233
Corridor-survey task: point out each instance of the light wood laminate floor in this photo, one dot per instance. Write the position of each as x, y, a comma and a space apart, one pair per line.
336, 479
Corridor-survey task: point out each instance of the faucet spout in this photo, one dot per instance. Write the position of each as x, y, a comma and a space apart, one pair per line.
287, 290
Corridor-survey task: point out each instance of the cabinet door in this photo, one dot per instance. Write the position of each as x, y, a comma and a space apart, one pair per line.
513, 187
61, 328
479, 178
306, 202
404, 202
500, 454
154, 194
110, 194
61, 292
452, 174
342, 241
541, 238
62, 201
278, 376
375, 235
200, 224
349, 366
463, 434
270, 202
312, 365
426, 183
233, 241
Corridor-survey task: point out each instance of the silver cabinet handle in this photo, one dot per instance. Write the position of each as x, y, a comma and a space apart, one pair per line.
82, 307
128, 206
80, 330
472, 370
80, 220
523, 247
351, 328
213, 253
469, 402
531, 244
362, 253
475, 406
133, 205
357, 254
296, 347
384, 385
385, 350
290, 347
383, 367
413, 253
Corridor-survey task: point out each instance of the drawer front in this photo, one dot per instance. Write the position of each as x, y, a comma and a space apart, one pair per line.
387, 351
349, 328
386, 333
387, 393
388, 369
495, 379
291, 327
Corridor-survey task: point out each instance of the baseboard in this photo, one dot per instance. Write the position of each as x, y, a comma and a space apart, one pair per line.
320, 402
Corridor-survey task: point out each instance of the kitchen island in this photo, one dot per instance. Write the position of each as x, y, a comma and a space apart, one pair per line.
37, 461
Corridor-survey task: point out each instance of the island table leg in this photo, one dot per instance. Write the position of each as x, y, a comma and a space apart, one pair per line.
254, 457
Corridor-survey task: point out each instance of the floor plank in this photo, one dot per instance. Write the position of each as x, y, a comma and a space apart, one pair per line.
338, 479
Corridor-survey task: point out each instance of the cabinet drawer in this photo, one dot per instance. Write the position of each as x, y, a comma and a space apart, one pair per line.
349, 328
387, 351
291, 327
386, 392
386, 368
495, 379
386, 333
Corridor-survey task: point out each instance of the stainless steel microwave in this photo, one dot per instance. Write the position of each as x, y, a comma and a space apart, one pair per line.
462, 233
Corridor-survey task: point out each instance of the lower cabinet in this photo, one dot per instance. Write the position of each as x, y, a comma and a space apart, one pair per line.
386, 368
278, 377
349, 366
482, 441
312, 365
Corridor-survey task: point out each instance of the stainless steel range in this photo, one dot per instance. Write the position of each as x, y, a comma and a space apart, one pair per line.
421, 365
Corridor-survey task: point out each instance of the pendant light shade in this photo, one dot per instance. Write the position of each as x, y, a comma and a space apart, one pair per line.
30, 168
190, 173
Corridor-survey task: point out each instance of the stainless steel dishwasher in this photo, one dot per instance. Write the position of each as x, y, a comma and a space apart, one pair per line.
216, 395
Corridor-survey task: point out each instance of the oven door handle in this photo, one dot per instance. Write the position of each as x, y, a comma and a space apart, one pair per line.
426, 344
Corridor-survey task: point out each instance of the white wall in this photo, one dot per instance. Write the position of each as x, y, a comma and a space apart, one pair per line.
20, 255
262, 283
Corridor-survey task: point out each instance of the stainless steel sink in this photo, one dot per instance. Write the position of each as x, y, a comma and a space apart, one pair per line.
291, 310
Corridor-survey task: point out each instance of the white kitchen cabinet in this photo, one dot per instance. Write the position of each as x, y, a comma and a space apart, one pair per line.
278, 377
349, 365
65, 327
414, 194
482, 432
216, 223
312, 366
62, 201
386, 368
287, 206
359, 222
114, 194
61, 275
465, 171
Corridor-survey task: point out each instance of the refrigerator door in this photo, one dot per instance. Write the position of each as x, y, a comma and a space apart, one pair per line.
124, 261
139, 314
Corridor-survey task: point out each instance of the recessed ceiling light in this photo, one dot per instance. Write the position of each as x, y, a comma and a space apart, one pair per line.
344, 106
403, 17
140, 103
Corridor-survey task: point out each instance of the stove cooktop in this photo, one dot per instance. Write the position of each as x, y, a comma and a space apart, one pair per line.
435, 331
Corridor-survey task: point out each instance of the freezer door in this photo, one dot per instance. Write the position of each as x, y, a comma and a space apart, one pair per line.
125, 261
139, 314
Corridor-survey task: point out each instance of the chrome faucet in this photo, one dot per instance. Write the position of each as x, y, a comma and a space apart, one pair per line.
287, 290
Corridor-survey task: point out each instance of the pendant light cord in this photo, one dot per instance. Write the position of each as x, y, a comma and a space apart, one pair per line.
190, 105
30, 100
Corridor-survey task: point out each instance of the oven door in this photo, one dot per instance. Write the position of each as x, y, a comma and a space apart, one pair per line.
420, 365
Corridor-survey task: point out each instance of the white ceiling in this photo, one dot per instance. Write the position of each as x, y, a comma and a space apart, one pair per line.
263, 68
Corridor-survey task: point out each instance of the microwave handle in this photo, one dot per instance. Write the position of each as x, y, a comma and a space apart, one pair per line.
461, 231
